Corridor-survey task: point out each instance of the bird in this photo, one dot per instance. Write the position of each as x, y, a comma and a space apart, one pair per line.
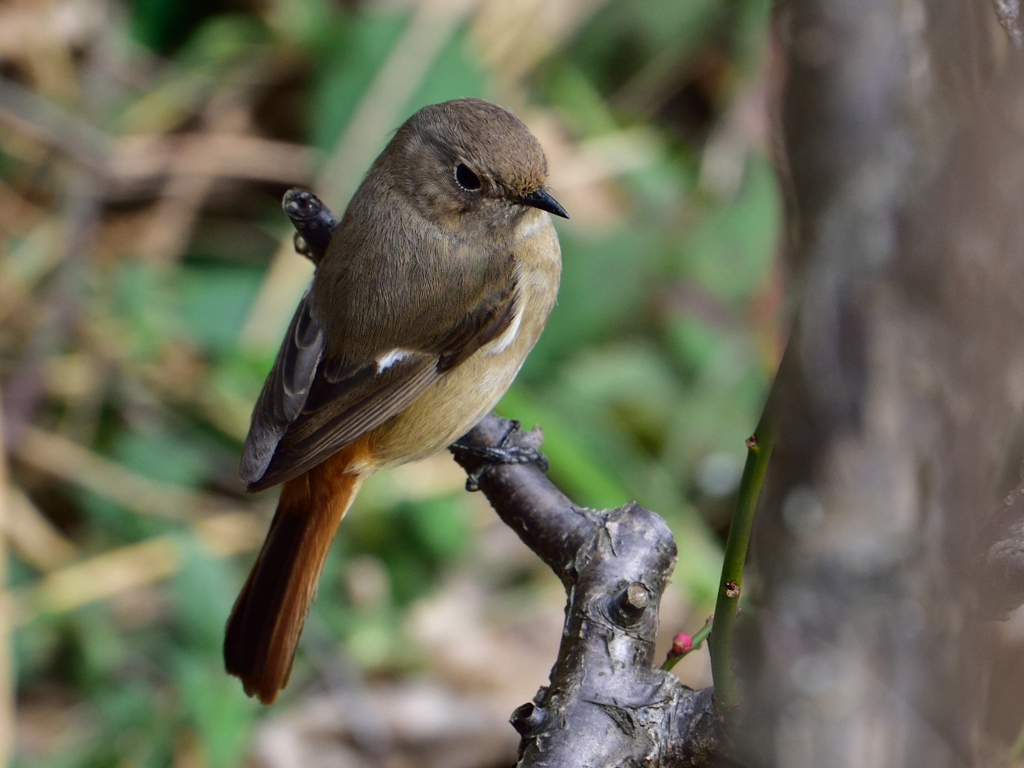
433, 289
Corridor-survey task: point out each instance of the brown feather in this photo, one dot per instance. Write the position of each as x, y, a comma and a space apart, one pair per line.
266, 622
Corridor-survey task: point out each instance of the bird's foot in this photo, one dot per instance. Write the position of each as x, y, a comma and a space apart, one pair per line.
503, 453
313, 221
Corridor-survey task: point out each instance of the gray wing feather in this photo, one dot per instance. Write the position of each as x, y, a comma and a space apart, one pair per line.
312, 406
284, 393
358, 408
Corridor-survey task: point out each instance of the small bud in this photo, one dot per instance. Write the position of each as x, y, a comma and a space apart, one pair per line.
752, 442
681, 644
732, 589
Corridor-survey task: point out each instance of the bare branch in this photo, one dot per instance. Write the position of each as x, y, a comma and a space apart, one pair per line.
607, 703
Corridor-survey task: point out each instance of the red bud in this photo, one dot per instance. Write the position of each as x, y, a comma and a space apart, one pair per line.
681, 643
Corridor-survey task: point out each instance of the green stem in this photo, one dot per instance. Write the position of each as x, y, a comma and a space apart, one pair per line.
759, 450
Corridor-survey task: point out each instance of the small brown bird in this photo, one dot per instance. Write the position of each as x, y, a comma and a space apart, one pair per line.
435, 286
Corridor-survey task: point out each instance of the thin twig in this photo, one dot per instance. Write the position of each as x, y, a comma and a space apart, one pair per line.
683, 645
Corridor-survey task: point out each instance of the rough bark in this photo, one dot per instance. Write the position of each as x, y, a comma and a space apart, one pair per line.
883, 545
606, 702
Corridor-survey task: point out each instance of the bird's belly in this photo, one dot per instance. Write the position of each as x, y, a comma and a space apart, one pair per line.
442, 414
456, 403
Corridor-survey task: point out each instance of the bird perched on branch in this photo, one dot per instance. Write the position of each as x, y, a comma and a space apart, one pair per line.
434, 288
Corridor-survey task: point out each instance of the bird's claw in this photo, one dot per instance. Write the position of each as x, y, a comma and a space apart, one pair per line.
499, 454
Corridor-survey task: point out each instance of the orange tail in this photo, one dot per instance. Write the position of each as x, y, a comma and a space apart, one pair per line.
266, 622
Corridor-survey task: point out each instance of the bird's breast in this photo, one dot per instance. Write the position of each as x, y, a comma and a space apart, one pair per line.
453, 405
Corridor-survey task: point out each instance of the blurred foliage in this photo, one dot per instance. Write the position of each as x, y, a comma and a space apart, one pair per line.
132, 275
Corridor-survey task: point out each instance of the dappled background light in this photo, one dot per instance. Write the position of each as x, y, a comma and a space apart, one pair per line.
146, 278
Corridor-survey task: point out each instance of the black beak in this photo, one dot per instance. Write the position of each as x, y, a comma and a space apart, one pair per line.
541, 199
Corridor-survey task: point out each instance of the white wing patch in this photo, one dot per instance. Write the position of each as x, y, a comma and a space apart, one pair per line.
392, 357
504, 341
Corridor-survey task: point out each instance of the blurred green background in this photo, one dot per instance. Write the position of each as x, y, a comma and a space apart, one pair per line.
146, 278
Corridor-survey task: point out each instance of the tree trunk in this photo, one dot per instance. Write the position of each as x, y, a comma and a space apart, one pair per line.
883, 547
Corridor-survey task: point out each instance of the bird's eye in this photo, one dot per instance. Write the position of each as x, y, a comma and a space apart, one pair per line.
466, 178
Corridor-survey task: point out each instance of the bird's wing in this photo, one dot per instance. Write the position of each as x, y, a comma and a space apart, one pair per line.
311, 406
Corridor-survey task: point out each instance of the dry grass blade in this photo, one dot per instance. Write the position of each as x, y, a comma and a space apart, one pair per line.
231, 533
69, 461
16, 213
512, 38
187, 189
142, 158
100, 577
121, 570
27, 263
25, 29
381, 108
33, 536
45, 122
